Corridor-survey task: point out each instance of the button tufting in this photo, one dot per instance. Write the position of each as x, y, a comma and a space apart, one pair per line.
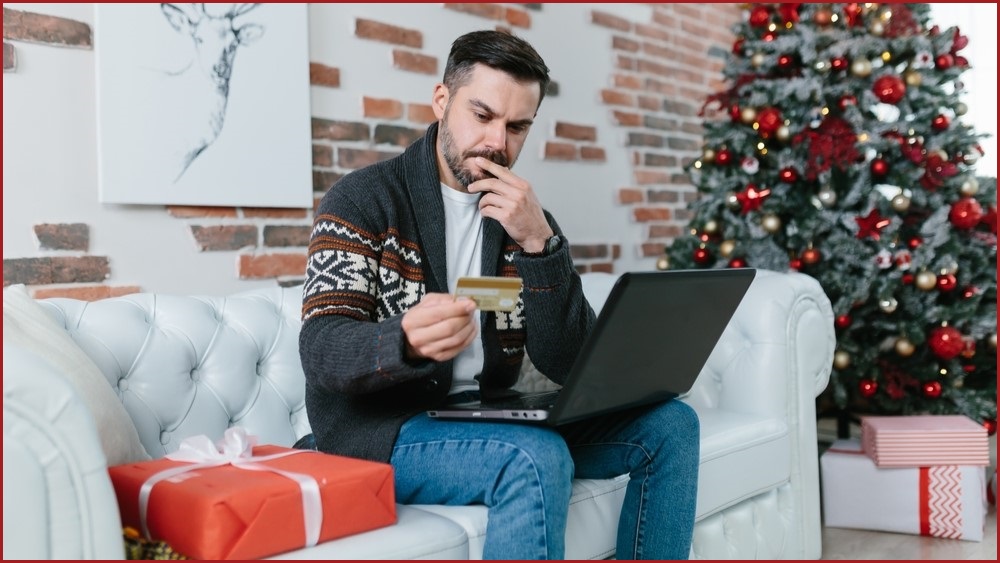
194, 375
164, 438
123, 384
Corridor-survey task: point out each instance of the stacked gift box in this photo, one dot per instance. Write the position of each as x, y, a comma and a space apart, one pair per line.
923, 474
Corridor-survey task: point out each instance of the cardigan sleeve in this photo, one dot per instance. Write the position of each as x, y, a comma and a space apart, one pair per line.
349, 341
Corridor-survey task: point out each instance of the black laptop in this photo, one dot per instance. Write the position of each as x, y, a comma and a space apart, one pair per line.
651, 340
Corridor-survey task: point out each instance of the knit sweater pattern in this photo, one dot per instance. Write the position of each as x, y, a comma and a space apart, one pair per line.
377, 247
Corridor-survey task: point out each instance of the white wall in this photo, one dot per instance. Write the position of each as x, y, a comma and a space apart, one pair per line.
979, 23
50, 154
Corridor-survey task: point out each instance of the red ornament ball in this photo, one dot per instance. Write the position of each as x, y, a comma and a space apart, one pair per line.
702, 256
723, 157
990, 426
965, 213
839, 63
842, 321
940, 122
914, 243
907, 279
738, 46
880, 167
944, 62
738, 263
795, 264
946, 282
811, 256
932, 389
788, 175
768, 120
760, 16
945, 342
867, 387
889, 88
785, 61
846, 102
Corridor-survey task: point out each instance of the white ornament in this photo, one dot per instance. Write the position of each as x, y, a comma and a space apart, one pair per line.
883, 259
750, 165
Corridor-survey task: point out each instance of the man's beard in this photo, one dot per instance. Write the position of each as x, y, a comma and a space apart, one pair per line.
455, 160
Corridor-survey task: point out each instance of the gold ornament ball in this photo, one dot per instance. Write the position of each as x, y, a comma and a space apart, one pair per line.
757, 60
901, 203
888, 305
876, 28
748, 115
663, 263
783, 133
913, 78
925, 281
771, 223
827, 197
950, 268
841, 359
993, 341
904, 347
711, 226
708, 155
726, 248
969, 187
961, 108
861, 68
822, 66
970, 157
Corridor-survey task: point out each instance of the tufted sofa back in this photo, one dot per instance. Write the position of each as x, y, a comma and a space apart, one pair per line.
184, 366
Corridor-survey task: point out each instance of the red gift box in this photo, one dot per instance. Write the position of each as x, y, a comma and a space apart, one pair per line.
254, 508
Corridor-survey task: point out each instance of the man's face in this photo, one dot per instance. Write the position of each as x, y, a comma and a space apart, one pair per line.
489, 116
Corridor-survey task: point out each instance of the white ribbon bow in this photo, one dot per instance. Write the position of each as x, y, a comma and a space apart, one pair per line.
236, 449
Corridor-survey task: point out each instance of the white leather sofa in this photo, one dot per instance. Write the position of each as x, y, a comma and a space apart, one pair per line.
186, 365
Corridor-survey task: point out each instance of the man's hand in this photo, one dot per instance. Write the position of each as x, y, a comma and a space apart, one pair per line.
439, 327
512, 202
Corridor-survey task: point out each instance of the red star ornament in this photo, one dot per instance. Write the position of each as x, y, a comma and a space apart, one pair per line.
751, 198
870, 225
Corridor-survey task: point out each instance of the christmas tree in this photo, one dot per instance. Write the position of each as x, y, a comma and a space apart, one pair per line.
839, 150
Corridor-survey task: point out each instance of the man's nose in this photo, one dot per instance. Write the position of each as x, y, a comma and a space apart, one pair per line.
496, 137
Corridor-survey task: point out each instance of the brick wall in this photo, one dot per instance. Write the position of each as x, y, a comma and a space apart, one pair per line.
652, 98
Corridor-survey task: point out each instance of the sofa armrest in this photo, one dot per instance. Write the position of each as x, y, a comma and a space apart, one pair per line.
58, 502
776, 351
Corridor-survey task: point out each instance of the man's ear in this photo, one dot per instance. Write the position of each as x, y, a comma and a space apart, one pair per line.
439, 101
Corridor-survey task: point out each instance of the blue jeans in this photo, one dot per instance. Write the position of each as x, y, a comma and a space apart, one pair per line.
523, 474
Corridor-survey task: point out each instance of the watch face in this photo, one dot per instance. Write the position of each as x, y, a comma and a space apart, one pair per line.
553, 244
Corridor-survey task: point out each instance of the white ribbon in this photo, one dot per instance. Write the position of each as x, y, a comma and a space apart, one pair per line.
235, 449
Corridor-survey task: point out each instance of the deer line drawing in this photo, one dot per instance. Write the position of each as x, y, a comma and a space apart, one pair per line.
204, 81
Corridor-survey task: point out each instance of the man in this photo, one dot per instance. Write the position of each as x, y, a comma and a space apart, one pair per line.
383, 340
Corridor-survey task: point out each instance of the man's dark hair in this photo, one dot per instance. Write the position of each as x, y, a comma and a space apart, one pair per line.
498, 50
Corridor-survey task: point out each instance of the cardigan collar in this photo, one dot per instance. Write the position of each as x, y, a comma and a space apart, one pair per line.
423, 183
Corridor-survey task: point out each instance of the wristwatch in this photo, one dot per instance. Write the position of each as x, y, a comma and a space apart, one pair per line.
552, 244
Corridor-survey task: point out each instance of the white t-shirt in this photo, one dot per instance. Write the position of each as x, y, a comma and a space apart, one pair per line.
463, 237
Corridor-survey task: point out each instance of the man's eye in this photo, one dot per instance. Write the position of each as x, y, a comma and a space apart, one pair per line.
482, 117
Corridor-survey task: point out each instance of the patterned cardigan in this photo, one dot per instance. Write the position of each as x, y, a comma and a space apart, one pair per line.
377, 247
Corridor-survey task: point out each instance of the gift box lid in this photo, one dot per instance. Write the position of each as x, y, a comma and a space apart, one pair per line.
924, 440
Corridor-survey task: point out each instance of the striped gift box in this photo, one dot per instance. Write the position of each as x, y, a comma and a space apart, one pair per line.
944, 501
924, 440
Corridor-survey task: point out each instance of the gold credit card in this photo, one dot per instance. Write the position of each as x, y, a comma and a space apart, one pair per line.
490, 293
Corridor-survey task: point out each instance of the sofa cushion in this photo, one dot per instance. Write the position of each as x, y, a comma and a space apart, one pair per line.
27, 325
416, 535
742, 455
591, 525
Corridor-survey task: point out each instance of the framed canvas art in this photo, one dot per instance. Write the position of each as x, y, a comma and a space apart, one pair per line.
203, 104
